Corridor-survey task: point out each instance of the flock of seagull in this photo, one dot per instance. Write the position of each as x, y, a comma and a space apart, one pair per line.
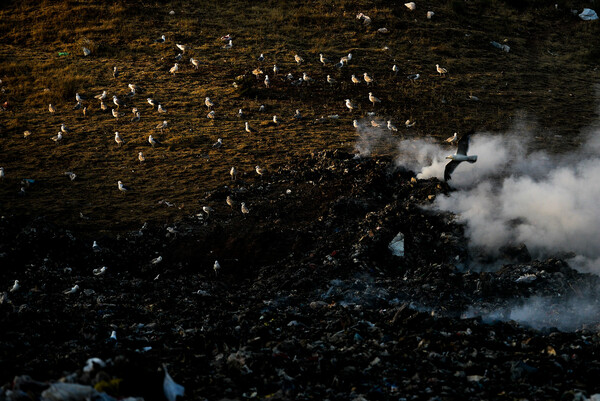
368, 79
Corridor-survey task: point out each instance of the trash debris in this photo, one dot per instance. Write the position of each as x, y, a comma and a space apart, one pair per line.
497, 45
588, 15
397, 245
411, 6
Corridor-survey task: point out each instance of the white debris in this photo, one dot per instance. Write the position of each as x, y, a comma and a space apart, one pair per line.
397, 245
588, 15
411, 6
172, 390
91, 363
526, 278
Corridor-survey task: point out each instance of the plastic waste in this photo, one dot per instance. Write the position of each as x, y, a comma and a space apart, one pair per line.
397, 245
69, 392
172, 390
588, 15
63, 53
497, 45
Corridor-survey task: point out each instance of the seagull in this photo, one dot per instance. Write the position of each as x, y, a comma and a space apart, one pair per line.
162, 125
228, 45
375, 124
289, 76
218, 144
178, 57
244, 208
207, 210
262, 107
174, 69
64, 129
84, 111
115, 72
275, 69
15, 286
441, 70
373, 99
208, 102
195, 62
345, 59
51, 109
136, 117
297, 115
267, 81
354, 79
78, 98
233, 173
322, 59
141, 157
248, 128
367, 78
132, 91
306, 78
298, 59
26, 134
151, 102
259, 171
86, 51
413, 77
240, 113
256, 72
134, 110
156, 260
230, 201
72, 290
101, 96
261, 58
183, 48
103, 106
77, 106
58, 137
349, 105
453, 138
115, 113
122, 187
391, 126
275, 120
153, 141
355, 123
411, 6
216, 267
161, 110
330, 80
409, 124
211, 115
116, 101
118, 139
460, 156
395, 69
100, 271
161, 39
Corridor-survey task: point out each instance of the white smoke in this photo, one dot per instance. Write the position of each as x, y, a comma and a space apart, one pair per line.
512, 195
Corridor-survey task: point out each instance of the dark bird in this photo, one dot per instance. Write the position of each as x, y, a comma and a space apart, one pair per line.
460, 156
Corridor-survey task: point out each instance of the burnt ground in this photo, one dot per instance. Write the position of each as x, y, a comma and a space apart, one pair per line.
309, 302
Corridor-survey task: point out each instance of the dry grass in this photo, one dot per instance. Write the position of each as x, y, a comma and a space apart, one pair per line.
546, 76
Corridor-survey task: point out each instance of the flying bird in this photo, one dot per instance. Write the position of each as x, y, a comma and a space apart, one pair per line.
460, 156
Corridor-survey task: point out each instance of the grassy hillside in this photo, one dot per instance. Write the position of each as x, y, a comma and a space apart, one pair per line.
547, 78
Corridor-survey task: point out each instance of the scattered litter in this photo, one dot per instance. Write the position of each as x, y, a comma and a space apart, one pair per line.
588, 15
411, 6
397, 245
497, 45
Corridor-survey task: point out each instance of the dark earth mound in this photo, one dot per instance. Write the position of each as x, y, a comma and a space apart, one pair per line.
309, 303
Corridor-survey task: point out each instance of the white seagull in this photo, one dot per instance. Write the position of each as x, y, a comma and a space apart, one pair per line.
259, 171
441, 70
136, 117
72, 290
261, 58
116, 101
298, 59
141, 157
409, 123
330, 80
1, 172
275, 120
122, 187
161, 110
161, 39
115, 72
267, 81
183, 48
208, 103
453, 138
373, 99
26, 134
322, 59
233, 173
230, 201
391, 126
78, 98
248, 128
216, 267
275, 69
460, 156
58, 137
355, 123
345, 59
367, 78
211, 115
162, 125
244, 208
101, 96
413, 77
151, 102
100, 271
395, 69
115, 113
15, 286
354, 79
218, 144
51, 109
349, 105
153, 141
195, 62
118, 139
174, 69
64, 129
228, 45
